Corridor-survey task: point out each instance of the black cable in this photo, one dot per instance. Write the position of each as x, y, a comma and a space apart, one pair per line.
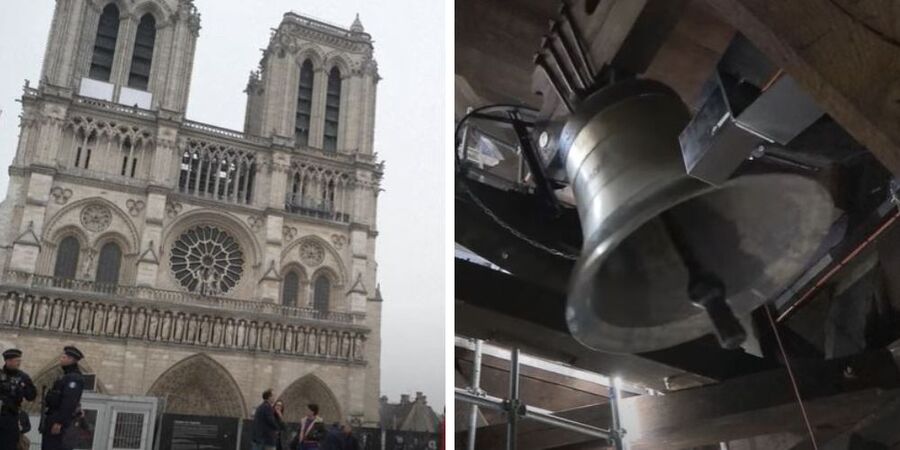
502, 107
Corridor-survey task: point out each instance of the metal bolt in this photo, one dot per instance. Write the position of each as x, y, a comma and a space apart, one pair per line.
544, 139
758, 152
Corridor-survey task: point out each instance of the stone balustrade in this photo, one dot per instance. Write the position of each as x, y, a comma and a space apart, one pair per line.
42, 282
166, 325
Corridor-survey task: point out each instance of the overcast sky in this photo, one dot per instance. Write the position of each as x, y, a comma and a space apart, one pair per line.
409, 136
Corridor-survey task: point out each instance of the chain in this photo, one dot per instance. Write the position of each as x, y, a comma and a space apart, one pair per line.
895, 192
512, 230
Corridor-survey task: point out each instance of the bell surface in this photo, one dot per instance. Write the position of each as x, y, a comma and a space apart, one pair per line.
639, 210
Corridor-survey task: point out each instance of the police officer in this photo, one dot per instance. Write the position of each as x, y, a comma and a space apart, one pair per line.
62, 402
15, 385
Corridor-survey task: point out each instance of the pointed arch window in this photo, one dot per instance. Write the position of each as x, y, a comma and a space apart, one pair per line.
290, 286
332, 109
84, 144
105, 44
67, 258
108, 264
304, 104
142, 58
322, 293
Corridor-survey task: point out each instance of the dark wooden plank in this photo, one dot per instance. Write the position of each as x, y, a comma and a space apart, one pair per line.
764, 403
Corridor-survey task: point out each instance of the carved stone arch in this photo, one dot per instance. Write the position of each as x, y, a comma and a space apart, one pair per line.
338, 60
198, 385
65, 231
50, 228
297, 267
124, 6
310, 389
161, 12
311, 53
333, 258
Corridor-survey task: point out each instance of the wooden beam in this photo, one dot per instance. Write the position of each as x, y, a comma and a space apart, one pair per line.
845, 53
836, 393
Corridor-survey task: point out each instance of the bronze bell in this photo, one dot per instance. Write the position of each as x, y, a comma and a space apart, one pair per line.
654, 236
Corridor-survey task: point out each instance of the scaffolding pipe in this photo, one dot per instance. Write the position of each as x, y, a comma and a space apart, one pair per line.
566, 424
494, 403
483, 401
614, 398
476, 388
512, 420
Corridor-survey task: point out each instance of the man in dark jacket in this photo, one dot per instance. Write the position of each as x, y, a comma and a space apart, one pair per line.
350, 441
265, 427
333, 440
62, 403
15, 386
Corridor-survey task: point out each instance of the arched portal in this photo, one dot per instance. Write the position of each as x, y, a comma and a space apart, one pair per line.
198, 385
306, 390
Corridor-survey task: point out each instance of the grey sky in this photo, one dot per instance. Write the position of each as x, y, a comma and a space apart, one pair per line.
409, 136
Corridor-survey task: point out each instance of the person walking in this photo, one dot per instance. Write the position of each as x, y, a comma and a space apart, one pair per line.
312, 429
265, 425
279, 417
61, 404
15, 386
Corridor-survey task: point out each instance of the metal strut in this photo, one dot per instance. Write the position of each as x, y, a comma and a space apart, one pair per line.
516, 410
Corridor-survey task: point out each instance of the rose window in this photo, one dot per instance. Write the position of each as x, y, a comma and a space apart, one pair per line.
207, 261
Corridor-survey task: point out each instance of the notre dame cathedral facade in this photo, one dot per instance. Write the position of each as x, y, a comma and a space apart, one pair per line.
189, 262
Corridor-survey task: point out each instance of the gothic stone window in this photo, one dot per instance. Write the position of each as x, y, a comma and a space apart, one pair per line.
142, 59
290, 286
67, 258
304, 104
85, 142
217, 171
332, 109
207, 261
108, 264
105, 43
322, 293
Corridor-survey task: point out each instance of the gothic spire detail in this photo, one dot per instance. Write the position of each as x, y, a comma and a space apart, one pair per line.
357, 26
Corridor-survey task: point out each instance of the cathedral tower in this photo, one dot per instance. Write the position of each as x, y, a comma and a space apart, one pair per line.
188, 261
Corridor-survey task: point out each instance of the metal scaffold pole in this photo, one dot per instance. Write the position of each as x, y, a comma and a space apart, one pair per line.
516, 410
615, 395
476, 389
512, 420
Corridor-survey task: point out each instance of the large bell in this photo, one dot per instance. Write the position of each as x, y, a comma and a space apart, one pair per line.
649, 227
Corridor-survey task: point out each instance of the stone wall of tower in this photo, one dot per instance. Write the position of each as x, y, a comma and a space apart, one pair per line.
272, 92
71, 44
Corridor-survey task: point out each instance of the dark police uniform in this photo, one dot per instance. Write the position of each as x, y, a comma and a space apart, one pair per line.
61, 404
15, 385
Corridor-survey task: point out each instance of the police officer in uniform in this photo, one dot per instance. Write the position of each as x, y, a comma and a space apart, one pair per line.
15, 385
62, 402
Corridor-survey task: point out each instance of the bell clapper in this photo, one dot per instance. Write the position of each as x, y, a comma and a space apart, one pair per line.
706, 290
